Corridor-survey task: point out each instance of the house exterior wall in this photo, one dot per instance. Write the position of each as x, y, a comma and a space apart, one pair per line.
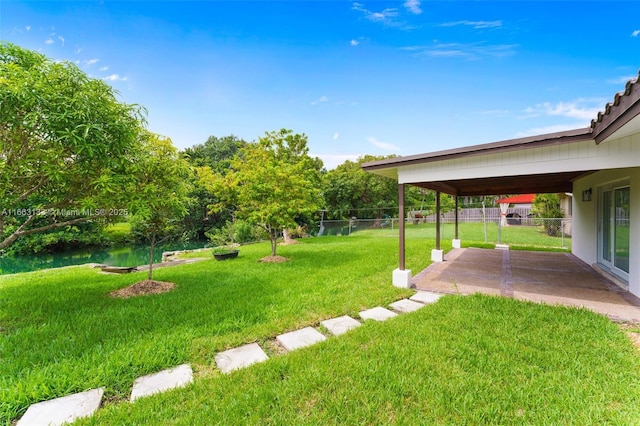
568, 157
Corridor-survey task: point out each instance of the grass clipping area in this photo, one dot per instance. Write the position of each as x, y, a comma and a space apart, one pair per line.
464, 360
143, 288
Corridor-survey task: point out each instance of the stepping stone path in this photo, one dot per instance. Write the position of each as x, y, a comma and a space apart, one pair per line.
300, 338
406, 305
63, 410
69, 408
176, 377
340, 325
425, 297
240, 357
378, 313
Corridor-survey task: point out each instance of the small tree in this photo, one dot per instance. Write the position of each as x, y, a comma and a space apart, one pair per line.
272, 182
161, 190
546, 207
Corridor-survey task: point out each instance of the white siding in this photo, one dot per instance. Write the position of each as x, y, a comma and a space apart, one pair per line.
585, 219
576, 156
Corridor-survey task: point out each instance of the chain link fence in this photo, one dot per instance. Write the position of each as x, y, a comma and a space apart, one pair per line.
493, 228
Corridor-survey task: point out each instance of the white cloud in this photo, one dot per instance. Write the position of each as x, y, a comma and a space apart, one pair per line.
471, 51
61, 39
104, 68
331, 161
114, 77
636, 33
90, 62
382, 145
622, 80
478, 25
28, 28
354, 42
336, 135
386, 16
413, 6
549, 129
320, 100
581, 109
49, 41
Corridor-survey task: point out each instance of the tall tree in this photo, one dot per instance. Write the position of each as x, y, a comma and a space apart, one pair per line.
66, 145
217, 154
272, 182
350, 191
161, 188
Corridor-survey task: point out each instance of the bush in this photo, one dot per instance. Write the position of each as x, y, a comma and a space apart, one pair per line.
547, 206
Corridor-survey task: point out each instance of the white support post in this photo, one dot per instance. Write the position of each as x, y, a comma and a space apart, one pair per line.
402, 278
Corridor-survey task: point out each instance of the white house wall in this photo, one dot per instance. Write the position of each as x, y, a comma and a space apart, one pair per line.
585, 219
567, 157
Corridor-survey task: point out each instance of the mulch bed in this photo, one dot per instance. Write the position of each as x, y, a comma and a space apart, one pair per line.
142, 288
274, 259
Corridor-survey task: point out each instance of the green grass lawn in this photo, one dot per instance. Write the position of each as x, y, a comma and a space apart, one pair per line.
119, 233
464, 360
62, 333
518, 237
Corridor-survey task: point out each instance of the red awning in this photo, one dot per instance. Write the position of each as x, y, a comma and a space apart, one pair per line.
518, 199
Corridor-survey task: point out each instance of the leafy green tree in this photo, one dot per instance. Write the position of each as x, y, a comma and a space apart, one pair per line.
217, 154
66, 145
271, 183
350, 191
161, 188
546, 207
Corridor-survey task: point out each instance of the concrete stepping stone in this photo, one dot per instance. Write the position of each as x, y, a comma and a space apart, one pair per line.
240, 357
426, 297
378, 313
340, 325
300, 338
176, 377
406, 305
63, 410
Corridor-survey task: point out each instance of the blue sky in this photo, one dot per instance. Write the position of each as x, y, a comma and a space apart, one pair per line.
365, 77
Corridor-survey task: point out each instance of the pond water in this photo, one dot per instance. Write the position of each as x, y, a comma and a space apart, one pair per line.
122, 256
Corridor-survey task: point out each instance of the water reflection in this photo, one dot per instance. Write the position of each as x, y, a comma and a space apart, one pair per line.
122, 256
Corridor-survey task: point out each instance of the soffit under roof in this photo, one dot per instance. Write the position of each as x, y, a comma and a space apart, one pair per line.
517, 184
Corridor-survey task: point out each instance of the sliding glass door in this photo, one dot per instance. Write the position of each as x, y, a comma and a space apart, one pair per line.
613, 229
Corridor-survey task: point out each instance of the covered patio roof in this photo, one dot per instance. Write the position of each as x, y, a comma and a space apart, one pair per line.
496, 185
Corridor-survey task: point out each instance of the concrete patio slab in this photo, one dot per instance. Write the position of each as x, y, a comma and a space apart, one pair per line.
378, 314
426, 297
165, 380
300, 338
340, 325
240, 357
63, 410
545, 277
406, 305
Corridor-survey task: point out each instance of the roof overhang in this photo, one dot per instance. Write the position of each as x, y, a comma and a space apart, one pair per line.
620, 117
532, 181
